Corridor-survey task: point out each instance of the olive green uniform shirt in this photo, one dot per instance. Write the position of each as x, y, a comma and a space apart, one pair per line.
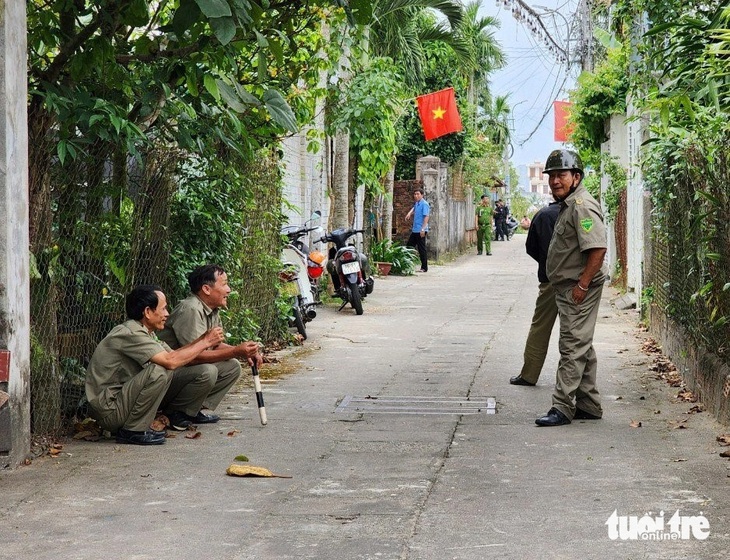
484, 216
579, 228
121, 355
190, 319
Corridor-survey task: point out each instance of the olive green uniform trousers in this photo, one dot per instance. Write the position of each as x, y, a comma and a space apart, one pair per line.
538, 339
200, 386
484, 238
575, 382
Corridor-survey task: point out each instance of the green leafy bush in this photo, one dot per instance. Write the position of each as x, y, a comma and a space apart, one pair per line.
404, 259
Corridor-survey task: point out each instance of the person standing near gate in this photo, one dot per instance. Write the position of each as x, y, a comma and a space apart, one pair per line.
483, 225
420, 215
577, 273
543, 318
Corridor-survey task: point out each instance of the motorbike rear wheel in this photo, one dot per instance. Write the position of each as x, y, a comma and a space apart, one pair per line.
299, 320
354, 293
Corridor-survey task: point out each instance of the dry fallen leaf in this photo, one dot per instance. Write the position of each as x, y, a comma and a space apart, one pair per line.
160, 423
250, 470
679, 460
678, 424
688, 396
233, 433
635, 424
724, 439
193, 434
725, 454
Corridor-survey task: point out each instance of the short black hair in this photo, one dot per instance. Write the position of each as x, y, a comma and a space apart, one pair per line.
484, 196
140, 298
204, 275
419, 189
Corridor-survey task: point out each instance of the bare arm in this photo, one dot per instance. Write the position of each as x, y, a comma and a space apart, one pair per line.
423, 228
593, 265
184, 355
248, 351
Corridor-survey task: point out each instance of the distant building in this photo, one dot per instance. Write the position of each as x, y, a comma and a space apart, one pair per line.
538, 180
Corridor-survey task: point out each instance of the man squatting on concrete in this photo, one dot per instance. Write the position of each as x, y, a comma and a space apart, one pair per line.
577, 273
217, 368
130, 375
543, 318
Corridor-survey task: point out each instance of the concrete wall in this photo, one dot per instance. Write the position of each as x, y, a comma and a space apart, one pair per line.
14, 245
702, 371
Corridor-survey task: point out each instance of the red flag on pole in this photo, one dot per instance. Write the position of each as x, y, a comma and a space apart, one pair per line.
563, 129
438, 112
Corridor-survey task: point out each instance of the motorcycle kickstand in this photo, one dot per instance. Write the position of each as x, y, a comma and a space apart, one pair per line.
344, 303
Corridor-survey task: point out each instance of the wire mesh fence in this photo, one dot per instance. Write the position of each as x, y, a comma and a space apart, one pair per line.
104, 223
690, 273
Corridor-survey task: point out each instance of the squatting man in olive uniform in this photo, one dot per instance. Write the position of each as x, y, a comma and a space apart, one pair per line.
130, 374
577, 273
215, 368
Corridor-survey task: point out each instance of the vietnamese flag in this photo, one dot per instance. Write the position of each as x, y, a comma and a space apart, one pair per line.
563, 129
438, 112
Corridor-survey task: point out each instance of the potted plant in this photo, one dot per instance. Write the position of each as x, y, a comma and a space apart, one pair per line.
391, 256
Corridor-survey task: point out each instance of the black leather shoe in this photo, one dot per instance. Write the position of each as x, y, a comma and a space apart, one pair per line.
553, 418
139, 438
519, 380
179, 421
203, 418
583, 415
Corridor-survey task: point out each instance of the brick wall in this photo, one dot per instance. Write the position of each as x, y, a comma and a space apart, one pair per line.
402, 203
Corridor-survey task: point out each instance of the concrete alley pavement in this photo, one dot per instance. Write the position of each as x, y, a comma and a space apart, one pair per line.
423, 482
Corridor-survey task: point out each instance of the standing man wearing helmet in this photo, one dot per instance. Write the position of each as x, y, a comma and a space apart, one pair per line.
577, 273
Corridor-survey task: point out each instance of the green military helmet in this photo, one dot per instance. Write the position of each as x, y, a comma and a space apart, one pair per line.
563, 159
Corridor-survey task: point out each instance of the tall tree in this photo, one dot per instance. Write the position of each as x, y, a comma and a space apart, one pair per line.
486, 56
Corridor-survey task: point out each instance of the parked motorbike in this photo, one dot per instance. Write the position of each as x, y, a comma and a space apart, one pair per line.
290, 287
314, 261
512, 225
300, 275
348, 268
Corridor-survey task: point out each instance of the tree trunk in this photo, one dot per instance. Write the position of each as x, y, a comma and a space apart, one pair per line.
388, 210
340, 180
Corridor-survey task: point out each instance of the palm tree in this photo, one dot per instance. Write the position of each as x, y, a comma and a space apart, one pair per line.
477, 33
495, 120
399, 31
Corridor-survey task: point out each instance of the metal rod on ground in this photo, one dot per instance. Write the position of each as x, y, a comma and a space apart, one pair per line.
259, 394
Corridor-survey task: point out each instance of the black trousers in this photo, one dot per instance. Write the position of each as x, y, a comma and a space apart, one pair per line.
500, 230
415, 240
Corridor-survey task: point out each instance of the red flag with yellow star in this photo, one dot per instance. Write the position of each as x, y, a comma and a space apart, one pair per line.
438, 112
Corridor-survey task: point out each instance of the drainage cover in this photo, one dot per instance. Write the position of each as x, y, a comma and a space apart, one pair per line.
418, 405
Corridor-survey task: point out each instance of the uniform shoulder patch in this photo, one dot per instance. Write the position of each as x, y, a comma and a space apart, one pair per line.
579, 201
586, 224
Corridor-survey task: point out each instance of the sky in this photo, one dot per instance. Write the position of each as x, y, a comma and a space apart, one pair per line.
533, 78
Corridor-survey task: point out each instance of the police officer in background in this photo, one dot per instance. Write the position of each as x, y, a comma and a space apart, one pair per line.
483, 219
577, 272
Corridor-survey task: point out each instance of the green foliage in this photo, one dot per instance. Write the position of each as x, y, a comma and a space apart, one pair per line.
404, 259
369, 110
482, 164
616, 186
599, 95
